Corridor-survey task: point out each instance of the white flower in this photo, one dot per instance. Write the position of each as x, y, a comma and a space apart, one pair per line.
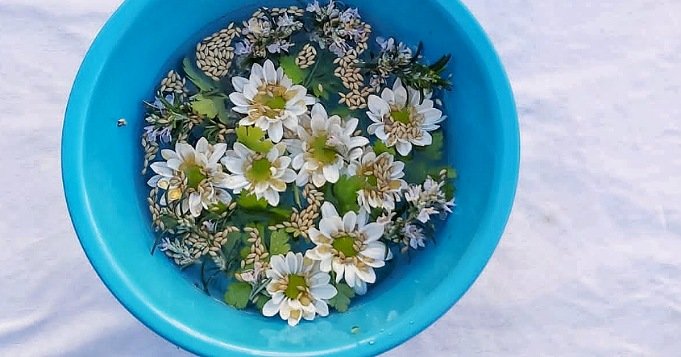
383, 180
415, 235
349, 246
324, 144
429, 199
264, 175
298, 289
255, 275
401, 118
193, 175
270, 100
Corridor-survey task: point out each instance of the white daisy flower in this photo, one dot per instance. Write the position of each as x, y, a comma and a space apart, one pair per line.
323, 146
298, 288
193, 175
348, 246
401, 118
264, 175
429, 199
270, 100
383, 180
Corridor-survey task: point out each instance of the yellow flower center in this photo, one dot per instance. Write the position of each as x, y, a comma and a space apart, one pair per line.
275, 102
401, 115
321, 151
260, 170
271, 100
296, 284
194, 175
372, 180
345, 245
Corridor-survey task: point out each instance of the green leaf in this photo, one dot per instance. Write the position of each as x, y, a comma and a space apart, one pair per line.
449, 190
254, 138
341, 301
245, 251
424, 160
237, 294
345, 192
233, 241
279, 242
260, 301
169, 222
200, 80
251, 202
432, 152
297, 75
380, 147
205, 106
320, 92
344, 112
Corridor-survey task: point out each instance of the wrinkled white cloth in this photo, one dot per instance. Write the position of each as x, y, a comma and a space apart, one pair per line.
589, 264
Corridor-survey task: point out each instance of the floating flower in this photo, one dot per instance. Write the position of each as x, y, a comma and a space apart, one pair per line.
429, 199
348, 246
298, 288
383, 180
193, 175
415, 235
264, 175
324, 145
402, 118
270, 100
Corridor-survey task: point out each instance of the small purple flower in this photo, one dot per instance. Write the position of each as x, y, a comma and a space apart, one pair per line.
158, 103
153, 134
349, 15
243, 48
278, 46
285, 21
314, 7
386, 44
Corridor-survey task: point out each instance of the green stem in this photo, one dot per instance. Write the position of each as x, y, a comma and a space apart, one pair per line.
296, 195
311, 74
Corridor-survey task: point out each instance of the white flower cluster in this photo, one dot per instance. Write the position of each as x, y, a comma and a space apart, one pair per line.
429, 199
267, 32
339, 30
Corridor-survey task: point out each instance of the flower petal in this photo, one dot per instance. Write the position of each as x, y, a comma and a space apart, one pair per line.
324, 291
328, 210
270, 308
378, 106
269, 72
331, 173
276, 131
372, 231
349, 221
239, 83
239, 99
366, 274
330, 226
403, 147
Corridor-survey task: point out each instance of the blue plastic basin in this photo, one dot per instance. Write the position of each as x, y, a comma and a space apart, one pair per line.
105, 192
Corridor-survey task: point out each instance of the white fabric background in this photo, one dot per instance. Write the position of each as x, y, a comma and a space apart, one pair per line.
591, 260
